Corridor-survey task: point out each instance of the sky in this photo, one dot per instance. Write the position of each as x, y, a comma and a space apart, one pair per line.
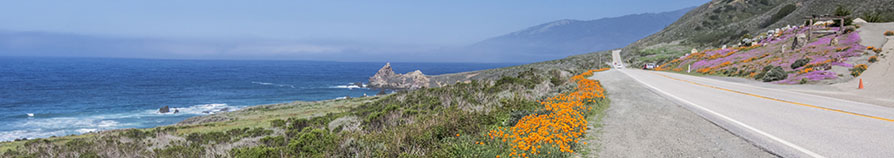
270, 26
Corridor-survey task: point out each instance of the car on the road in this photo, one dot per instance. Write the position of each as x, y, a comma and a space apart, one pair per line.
649, 66
618, 65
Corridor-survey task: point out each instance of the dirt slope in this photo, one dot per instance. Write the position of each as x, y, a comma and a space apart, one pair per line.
878, 80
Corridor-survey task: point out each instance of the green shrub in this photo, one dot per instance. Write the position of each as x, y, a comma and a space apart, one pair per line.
849, 29
256, 152
858, 69
843, 11
873, 17
312, 142
135, 134
298, 123
803, 81
763, 72
178, 151
274, 141
89, 155
506, 80
799, 63
204, 138
277, 123
775, 74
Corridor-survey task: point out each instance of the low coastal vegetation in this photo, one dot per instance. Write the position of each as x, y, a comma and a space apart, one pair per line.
450, 121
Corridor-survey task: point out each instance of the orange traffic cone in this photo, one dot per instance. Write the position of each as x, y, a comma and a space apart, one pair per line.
861, 84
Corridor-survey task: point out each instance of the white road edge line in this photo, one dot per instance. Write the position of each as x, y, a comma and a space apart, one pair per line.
780, 140
791, 91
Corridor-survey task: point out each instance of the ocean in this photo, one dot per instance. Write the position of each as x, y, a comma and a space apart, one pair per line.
42, 97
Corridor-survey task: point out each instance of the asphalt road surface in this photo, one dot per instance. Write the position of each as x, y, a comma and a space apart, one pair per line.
643, 123
785, 123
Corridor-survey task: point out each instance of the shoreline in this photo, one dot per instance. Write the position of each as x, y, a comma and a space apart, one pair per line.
196, 116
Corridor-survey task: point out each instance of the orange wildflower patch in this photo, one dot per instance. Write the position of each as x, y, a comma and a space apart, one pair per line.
560, 128
748, 60
806, 70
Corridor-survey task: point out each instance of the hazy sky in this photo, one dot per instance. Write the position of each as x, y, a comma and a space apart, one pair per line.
387, 22
410, 21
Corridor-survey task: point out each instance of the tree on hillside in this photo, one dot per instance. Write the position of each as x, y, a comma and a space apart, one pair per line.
844, 12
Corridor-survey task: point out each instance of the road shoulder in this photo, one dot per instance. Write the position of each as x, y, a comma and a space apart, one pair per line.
641, 123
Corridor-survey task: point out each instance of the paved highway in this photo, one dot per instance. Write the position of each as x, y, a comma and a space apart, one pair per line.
786, 123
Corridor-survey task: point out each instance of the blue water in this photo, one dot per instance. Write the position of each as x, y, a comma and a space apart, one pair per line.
77, 95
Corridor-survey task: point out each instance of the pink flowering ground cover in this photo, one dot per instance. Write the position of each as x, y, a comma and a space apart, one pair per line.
776, 51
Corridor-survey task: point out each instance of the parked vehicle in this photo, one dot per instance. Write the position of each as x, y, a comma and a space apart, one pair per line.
649, 66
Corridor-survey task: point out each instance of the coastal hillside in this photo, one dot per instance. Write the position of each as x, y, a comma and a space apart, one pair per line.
782, 59
726, 21
562, 38
727, 29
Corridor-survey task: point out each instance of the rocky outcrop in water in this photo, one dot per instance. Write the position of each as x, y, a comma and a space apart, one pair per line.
164, 109
386, 78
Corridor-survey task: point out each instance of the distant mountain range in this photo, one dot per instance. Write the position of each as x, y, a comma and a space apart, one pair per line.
562, 38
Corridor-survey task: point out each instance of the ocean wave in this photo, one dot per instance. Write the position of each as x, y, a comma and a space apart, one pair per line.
201, 109
30, 134
42, 127
86, 130
67, 122
349, 86
273, 84
41, 133
58, 126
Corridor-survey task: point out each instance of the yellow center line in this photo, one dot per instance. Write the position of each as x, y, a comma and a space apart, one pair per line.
779, 100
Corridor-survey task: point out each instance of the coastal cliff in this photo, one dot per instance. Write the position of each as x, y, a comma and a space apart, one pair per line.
386, 78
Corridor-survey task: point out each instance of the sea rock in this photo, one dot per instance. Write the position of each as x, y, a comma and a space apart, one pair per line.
386, 78
164, 109
359, 84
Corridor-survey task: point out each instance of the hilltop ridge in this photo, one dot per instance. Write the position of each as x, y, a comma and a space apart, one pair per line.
566, 37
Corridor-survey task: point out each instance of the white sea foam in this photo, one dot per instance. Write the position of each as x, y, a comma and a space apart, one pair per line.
30, 114
86, 130
58, 126
107, 124
348, 86
30, 134
42, 127
201, 109
273, 84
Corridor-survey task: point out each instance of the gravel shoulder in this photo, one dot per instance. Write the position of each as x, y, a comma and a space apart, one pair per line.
642, 123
